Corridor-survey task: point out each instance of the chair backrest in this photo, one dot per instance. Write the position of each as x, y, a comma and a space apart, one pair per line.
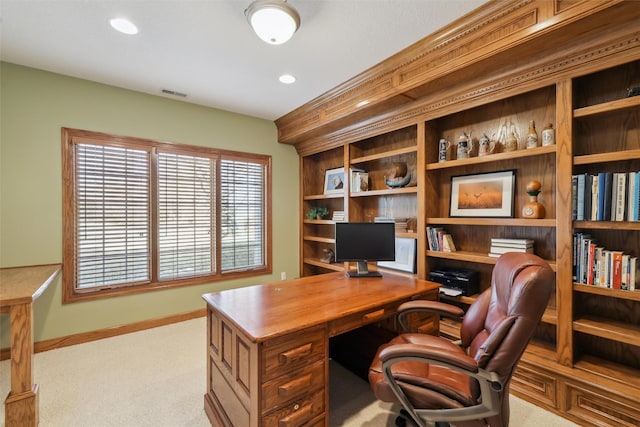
500, 323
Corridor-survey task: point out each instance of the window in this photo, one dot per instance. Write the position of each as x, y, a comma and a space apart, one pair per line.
142, 214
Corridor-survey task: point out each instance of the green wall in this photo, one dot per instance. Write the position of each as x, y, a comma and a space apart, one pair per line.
34, 106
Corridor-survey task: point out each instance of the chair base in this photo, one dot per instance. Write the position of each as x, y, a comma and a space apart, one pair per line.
405, 420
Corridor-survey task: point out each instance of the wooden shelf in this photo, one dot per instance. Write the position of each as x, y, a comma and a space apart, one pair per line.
319, 239
608, 370
323, 196
508, 222
319, 221
336, 266
386, 154
476, 257
608, 225
614, 293
607, 107
550, 149
614, 156
609, 329
550, 316
386, 192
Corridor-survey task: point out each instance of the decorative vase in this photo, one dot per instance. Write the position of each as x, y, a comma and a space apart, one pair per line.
511, 143
548, 135
533, 208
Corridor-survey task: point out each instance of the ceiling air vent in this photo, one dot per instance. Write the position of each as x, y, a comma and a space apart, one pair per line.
174, 93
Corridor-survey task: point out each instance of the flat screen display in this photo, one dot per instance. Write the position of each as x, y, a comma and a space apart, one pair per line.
365, 241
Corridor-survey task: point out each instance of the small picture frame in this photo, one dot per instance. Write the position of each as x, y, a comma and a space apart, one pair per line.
334, 181
485, 195
405, 256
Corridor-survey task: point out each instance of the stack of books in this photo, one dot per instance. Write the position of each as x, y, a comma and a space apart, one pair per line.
338, 216
500, 246
440, 240
401, 223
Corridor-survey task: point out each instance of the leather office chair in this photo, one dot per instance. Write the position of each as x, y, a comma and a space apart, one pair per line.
466, 383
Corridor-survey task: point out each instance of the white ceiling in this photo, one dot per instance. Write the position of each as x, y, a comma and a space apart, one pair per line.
207, 50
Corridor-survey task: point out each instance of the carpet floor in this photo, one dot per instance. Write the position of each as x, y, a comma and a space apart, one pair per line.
157, 378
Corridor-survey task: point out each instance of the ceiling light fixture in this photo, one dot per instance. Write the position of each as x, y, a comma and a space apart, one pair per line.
274, 21
124, 26
287, 79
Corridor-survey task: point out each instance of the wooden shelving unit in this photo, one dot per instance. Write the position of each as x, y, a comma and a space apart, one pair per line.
573, 71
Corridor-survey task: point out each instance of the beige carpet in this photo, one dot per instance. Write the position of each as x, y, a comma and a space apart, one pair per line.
157, 378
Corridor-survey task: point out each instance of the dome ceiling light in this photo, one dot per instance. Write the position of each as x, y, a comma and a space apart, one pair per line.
274, 21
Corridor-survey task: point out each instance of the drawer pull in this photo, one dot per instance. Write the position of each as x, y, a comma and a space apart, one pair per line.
374, 315
296, 353
297, 418
295, 386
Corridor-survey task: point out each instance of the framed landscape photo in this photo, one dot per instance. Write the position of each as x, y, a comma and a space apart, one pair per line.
334, 181
405, 256
488, 195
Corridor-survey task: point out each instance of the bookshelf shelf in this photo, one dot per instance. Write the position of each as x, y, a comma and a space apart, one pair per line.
607, 107
616, 293
476, 257
509, 222
386, 192
609, 329
384, 155
540, 151
319, 239
329, 266
614, 156
607, 225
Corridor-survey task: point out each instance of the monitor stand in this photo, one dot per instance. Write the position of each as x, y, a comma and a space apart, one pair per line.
363, 271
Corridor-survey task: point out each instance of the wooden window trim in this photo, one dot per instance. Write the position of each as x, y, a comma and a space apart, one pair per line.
69, 136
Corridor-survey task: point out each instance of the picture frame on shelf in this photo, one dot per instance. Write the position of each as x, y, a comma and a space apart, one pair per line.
405, 256
484, 195
334, 181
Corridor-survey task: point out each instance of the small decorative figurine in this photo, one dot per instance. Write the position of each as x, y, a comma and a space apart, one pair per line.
486, 146
398, 176
465, 146
444, 150
327, 255
533, 209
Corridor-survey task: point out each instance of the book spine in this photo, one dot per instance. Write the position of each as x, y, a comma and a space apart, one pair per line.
594, 197
580, 202
621, 196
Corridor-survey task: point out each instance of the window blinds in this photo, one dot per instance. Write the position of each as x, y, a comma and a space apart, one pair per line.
112, 211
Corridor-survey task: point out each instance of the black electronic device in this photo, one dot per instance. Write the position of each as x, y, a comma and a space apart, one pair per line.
461, 280
365, 241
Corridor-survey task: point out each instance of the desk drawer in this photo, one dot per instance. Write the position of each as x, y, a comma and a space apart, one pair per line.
285, 388
354, 321
298, 413
285, 354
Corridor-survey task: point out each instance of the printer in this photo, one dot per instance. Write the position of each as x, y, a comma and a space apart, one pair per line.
462, 281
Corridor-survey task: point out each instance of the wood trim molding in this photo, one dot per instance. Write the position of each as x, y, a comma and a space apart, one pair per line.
494, 36
99, 334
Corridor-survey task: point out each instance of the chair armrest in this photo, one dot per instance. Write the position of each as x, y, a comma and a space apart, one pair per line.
427, 306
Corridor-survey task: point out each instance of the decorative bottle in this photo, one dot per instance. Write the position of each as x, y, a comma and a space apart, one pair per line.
532, 136
548, 135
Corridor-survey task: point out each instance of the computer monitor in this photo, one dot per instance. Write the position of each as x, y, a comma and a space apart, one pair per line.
365, 241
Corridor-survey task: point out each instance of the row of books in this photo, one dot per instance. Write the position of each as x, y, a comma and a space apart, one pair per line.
597, 266
606, 196
501, 246
338, 216
440, 240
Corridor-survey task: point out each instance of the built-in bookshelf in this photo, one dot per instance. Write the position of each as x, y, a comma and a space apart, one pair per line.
584, 361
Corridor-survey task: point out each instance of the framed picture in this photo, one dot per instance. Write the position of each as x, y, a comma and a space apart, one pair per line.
483, 195
405, 256
334, 181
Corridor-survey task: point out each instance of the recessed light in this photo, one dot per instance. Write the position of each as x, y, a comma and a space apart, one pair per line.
287, 79
124, 26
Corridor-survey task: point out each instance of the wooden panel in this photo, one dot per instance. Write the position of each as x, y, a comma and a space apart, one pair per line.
227, 342
231, 405
594, 407
536, 383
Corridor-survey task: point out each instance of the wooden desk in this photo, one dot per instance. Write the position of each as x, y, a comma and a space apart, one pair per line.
19, 287
267, 345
